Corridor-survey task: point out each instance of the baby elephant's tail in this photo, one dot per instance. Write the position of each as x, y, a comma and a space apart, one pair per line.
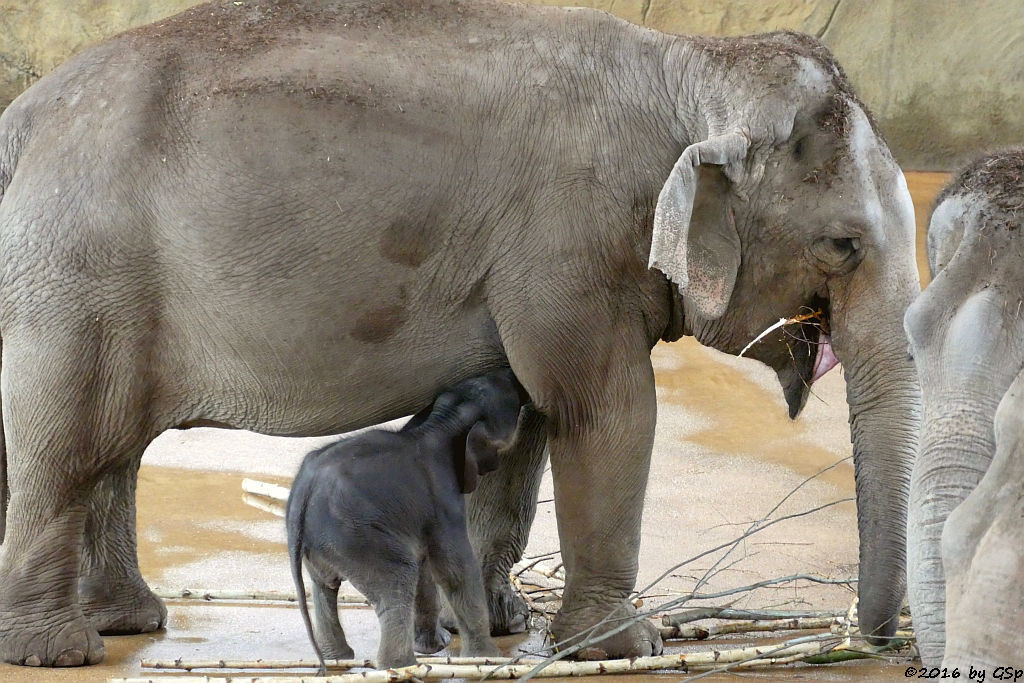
295, 522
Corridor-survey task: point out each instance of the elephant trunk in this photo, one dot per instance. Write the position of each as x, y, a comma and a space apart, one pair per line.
5, 494
884, 399
957, 446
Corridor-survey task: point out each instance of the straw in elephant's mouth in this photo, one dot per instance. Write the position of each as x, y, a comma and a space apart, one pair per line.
815, 317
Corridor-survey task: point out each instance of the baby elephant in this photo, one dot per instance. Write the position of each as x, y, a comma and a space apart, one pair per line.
385, 510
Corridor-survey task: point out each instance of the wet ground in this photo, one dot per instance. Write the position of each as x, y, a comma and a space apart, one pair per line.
725, 454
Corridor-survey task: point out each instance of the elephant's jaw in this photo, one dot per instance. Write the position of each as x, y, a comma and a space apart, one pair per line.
797, 376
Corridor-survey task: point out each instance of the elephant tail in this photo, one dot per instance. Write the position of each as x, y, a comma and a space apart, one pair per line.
295, 522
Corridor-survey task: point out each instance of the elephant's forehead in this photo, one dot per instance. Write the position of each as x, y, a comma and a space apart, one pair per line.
876, 179
945, 229
812, 76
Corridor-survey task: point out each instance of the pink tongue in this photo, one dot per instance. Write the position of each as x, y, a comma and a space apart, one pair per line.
826, 360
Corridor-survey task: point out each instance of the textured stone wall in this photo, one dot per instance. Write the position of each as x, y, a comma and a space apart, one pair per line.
945, 78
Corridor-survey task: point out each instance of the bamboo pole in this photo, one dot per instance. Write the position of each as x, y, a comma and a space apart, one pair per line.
262, 488
262, 503
336, 664
208, 595
699, 613
747, 656
692, 632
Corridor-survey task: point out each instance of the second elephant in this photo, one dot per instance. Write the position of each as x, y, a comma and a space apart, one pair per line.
966, 333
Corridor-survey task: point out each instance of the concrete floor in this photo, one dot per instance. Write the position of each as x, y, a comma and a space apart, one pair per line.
725, 453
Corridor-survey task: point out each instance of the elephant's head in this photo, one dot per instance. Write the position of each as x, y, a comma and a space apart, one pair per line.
482, 414
966, 333
791, 205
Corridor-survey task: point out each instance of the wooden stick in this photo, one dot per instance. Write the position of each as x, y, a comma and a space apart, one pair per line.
207, 595
691, 632
263, 504
338, 664
699, 613
748, 656
847, 653
262, 488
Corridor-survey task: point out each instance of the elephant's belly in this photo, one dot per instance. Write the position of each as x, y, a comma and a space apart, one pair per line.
308, 372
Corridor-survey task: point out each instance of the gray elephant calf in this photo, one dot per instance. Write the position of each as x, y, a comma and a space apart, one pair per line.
385, 511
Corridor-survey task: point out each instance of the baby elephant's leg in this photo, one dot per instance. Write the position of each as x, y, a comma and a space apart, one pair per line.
329, 633
390, 586
431, 637
458, 573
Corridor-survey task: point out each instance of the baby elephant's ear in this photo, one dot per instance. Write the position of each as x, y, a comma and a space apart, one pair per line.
481, 455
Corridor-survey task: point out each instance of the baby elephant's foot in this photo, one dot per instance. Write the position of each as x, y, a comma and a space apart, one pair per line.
507, 610
433, 639
338, 651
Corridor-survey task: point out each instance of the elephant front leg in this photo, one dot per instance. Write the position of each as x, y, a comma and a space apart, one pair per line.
112, 592
500, 514
600, 456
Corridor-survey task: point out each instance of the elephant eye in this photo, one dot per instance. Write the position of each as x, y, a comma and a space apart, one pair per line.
846, 245
837, 254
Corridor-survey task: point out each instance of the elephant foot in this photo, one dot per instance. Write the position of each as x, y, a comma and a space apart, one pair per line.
429, 641
120, 607
44, 640
336, 651
641, 639
507, 610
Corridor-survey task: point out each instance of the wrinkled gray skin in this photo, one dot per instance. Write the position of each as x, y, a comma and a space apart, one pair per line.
983, 553
385, 510
304, 221
967, 337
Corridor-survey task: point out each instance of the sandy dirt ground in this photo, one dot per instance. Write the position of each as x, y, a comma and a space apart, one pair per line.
725, 454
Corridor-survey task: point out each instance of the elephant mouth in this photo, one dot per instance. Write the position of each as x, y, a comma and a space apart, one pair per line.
809, 358
826, 358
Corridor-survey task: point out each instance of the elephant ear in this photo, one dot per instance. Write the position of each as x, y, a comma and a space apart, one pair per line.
478, 454
695, 243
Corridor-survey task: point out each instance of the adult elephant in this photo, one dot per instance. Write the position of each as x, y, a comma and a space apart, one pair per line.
967, 337
306, 217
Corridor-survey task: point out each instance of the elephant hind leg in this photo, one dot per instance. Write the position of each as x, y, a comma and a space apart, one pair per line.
392, 592
431, 637
111, 591
329, 633
74, 414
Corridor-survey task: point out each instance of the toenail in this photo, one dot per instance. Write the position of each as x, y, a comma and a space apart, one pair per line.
33, 660
70, 658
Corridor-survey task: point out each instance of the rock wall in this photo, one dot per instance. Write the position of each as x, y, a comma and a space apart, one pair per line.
944, 78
